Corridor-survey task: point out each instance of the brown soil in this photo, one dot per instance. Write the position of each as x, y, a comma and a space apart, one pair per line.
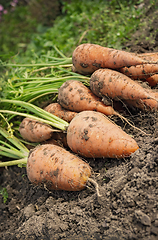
127, 209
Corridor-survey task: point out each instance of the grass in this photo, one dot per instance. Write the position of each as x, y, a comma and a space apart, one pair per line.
109, 23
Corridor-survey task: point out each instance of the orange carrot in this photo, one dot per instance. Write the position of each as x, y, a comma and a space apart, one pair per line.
34, 131
87, 58
75, 96
57, 169
92, 134
153, 80
59, 138
140, 71
146, 104
153, 56
115, 85
59, 111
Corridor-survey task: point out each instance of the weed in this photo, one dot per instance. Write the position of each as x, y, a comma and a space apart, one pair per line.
4, 193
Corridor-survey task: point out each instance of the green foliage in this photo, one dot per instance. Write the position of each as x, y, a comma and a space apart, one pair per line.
106, 23
4, 193
16, 31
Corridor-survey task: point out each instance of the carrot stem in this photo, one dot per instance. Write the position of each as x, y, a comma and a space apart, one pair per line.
50, 79
14, 153
64, 62
44, 115
15, 141
17, 150
32, 117
14, 162
32, 88
59, 52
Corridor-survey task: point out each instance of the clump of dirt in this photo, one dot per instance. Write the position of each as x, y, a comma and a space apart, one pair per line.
127, 208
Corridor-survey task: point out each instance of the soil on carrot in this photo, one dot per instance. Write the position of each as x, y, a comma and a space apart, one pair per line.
126, 209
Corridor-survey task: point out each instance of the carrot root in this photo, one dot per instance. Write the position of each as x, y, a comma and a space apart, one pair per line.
91, 134
87, 58
59, 111
153, 80
96, 186
57, 168
75, 96
136, 128
142, 72
116, 85
35, 131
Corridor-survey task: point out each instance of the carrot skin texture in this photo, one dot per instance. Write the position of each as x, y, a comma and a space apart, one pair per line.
92, 135
34, 131
87, 58
115, 85
153, 56
153, 80
147, 104
59, 111
140, 71
75, 96
57, 169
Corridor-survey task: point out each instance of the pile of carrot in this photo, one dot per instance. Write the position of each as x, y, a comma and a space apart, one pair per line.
88, 131
90, 134
87, 58
114, 74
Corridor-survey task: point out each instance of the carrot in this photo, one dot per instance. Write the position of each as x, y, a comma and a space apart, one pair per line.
87, 58
140, 71
48, 165
59, 138
92, 134
153, 56
153, 80
109, 83
147, 104
73, 69
57, 168
35, 131
59, 111
75, 96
